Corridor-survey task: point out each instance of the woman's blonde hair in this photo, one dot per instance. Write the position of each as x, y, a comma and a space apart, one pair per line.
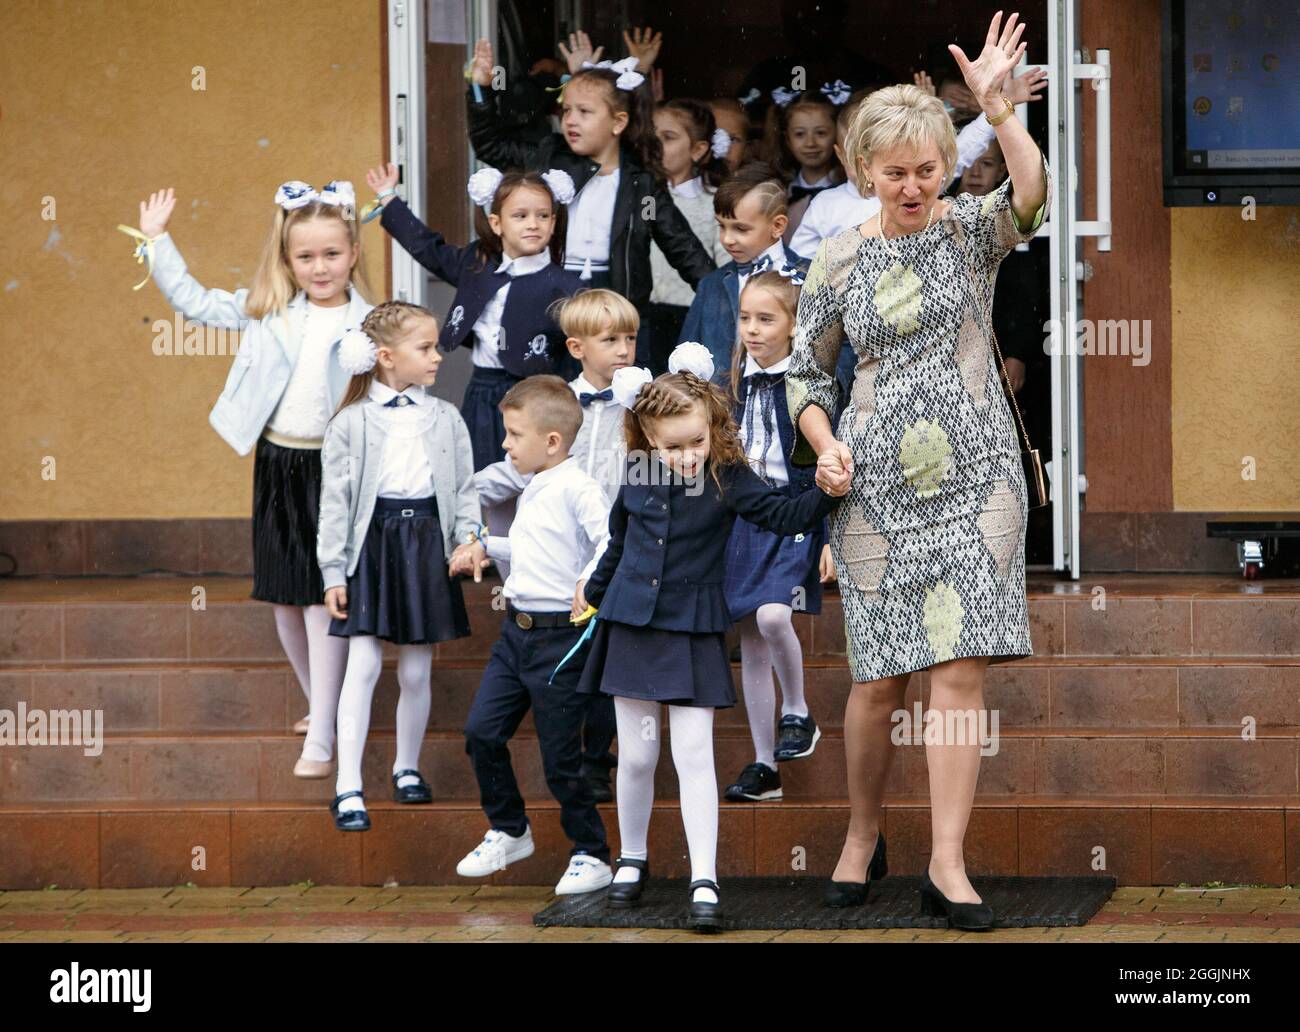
675, 394
273, 283
588, 312
787, 296
900, 115
384, 325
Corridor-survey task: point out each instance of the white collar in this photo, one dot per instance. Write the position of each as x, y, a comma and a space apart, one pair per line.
851, 188
383, 394
690, 188
777, 253
545, 475
823, 181
526, 263
581, 385
752, 367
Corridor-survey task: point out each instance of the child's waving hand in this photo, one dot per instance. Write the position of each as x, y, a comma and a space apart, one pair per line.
579, 50
155, 212
480, 69
382, 177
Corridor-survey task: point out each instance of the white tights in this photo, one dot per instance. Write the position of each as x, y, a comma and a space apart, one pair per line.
691, 733
414, 669
317, 659
768, 642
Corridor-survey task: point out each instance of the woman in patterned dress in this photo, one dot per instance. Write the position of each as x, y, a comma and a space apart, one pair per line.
929, 544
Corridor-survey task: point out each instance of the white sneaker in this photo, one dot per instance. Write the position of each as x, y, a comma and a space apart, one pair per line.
585, 874
496, 852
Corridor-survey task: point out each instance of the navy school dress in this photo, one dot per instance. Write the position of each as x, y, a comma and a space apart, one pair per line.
763, 567
662, 614
531, 341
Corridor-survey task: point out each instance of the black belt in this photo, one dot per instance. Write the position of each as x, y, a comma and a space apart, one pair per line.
528, 621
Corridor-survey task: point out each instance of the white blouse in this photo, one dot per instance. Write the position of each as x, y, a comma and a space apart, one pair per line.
591, 217
404, 467
487, 330
303, 410
769, 463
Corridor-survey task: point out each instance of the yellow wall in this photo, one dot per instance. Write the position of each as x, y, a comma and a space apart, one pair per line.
1236, 361
97, 110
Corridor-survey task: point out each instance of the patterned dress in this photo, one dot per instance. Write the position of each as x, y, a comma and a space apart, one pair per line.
929, 543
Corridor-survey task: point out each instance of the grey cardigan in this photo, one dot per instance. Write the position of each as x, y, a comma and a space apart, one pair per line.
350, 462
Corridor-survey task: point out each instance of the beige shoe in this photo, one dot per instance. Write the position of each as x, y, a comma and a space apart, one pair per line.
306, 768
300, 728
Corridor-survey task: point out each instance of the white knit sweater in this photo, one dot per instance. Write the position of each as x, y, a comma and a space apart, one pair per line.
695, 201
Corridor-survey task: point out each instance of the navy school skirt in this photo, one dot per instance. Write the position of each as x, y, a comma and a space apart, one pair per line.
483, 393
762, 567
286, 509
676, 667
400, 591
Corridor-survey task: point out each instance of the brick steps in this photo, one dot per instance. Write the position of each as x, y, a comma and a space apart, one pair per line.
1138, 841
1056, 762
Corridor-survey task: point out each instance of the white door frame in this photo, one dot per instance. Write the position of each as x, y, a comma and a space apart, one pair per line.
1070, 83
406, 135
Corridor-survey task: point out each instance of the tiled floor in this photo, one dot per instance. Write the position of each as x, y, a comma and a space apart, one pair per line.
323, 913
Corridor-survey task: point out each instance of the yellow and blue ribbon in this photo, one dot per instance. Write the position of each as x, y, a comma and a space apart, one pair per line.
589, 617
143, 251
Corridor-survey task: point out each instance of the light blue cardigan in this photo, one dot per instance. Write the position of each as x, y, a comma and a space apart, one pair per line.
350, 466
268, 347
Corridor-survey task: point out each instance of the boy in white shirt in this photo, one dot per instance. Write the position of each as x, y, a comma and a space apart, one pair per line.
559, 532
601, 330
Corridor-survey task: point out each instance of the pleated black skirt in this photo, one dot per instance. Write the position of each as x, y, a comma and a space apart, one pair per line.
400, 591
677, 667
487, 429
286, 509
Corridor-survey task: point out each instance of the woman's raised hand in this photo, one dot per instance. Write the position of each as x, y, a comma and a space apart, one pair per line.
1002, 49
381, 178
480, 70
579, 50
155, 212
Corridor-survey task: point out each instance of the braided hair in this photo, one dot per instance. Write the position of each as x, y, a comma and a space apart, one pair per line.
676, 394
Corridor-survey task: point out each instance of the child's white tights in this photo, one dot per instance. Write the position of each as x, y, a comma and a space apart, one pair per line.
292, 630
326, 657
768, 641
365, 660
691, 733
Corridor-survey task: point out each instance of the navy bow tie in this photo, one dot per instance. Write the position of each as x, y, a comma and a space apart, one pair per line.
753, 268
757, 381
398, 401
798, 192
587, 397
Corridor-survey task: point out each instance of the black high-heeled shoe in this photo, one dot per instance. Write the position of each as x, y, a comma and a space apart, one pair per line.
705, 917
854, 894
627, 894
969, 917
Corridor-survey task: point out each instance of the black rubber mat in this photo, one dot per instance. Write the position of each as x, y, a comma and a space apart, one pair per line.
797, 903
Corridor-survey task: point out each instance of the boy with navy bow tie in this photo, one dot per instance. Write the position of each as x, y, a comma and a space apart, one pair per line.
752, 215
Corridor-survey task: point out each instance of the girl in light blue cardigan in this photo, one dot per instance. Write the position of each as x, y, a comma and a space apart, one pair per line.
278, 396
397, 495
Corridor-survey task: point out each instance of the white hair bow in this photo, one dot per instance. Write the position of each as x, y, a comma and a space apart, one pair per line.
628, 77
357, 352
837, 92
691, 357
720, 142
297, 194
627, 383
483, 185
749, 97
561, 184
782, 97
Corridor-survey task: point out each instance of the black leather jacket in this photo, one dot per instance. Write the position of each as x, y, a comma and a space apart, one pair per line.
496, 144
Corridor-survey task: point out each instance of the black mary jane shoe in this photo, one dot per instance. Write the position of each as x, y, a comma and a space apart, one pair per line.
969, 917
705, 917
350, 820
855, 894
627, 894
420, 792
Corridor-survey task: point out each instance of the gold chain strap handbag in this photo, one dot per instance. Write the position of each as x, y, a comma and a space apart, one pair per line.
1029, 458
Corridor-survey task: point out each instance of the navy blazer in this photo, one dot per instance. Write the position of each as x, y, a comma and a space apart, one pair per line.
534, 342
663, 566
715, 314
